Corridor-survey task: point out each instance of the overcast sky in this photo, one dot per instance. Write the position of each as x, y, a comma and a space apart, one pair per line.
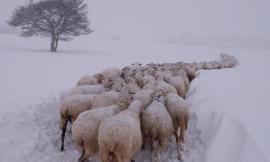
241, 18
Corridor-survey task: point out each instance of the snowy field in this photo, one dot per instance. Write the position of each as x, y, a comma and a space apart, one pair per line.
230, 120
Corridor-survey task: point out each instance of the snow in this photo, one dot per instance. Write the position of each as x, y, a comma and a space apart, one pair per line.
236, 101
230, 107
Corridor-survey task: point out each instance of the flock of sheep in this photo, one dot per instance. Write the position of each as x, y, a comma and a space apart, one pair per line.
119, 112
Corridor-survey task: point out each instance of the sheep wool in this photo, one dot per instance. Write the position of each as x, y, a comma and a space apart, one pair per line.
71, 107
119, 137
106, 99
88, 89
85, 129
179, 113
157, 126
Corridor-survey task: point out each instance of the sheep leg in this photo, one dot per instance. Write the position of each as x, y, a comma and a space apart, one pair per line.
158, 153
145, 142
63, 134
177, 145
82, 158
120, 158
104, 154
156, 147
115, 157
182, 134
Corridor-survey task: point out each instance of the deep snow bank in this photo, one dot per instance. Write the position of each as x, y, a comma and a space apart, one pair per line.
232, 110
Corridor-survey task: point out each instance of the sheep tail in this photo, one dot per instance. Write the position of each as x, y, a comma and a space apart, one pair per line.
64, 131
112, 157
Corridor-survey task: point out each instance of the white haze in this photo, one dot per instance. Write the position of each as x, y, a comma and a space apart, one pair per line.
159, 18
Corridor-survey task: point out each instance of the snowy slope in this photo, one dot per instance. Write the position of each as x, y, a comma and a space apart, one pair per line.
238, 109
230, 108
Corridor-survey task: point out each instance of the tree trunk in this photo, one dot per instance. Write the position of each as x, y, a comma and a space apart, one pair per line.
54, 42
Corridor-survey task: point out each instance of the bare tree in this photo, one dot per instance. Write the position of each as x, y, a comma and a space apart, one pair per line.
57, 19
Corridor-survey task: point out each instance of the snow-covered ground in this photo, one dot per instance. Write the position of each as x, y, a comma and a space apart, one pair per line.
230, 107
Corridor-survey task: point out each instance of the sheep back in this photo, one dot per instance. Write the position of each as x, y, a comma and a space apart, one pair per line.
106, 99
87, 80
73, 105
85, 128
165, 88
88, 89
177, 109
157, 122
121, 135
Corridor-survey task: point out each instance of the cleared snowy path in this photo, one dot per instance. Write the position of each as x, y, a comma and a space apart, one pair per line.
230, 122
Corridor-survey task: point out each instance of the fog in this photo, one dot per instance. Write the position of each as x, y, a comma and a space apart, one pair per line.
155, 18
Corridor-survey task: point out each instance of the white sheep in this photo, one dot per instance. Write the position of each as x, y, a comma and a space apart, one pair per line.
106, 99
212, 65
150, 69
162, 74
131, 83
113, 83
179, 112
165, 88
138, 77
179, 84
118, 83
113, 97
183, 74
90, 79
145, 95
149, 82
89, 89
71, 107
157, 126
130, 70
191, 73
114, 72
120, 137
85, 129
